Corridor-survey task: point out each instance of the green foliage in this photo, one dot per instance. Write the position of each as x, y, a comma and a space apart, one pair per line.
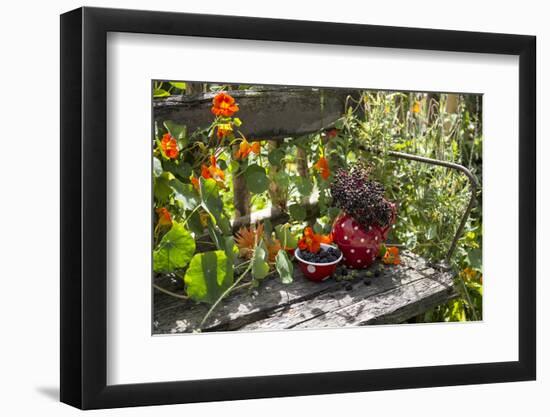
185, 194
430, 199
208, 276
285, 236
256, 179
174, 250
260, 268
284, 267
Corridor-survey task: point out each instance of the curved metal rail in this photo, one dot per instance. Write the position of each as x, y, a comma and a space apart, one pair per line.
474, 185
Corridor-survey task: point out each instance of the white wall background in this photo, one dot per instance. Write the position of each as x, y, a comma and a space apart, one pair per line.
29, 231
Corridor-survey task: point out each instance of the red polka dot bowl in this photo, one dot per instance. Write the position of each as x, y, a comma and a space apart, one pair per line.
317, 271
359, 245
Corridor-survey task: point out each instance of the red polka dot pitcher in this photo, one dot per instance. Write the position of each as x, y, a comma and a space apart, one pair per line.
359, 244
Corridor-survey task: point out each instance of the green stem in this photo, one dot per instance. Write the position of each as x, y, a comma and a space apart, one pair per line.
467, 294
173, 294
224, 294
190, 214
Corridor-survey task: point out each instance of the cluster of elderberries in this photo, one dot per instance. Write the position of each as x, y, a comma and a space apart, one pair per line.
360, 197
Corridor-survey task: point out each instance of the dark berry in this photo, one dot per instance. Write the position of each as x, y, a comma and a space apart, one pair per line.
361, 197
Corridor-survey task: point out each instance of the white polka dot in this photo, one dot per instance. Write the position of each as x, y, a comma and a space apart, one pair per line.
375, 237
368, 250
370, 227
358, 261
362, 240
352, 250
311, 269
355, 228
345, 238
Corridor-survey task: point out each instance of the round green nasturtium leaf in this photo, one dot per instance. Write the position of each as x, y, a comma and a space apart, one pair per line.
276, 156
181, 169
284, 267
256, 179
282, 179
303, 185
174, 250
161, 187
194, 223
260, 268
297, 212
186, 194
208, 276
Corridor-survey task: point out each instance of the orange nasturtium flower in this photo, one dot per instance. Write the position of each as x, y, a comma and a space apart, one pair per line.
195, 182
224, 130
169, 146
245, 148
322, 166
311, 241
468, 274
416, 107
165, 218
213, 171
224, 105
391, 257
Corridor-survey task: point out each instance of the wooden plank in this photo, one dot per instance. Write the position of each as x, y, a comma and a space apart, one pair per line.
275, 305
270, 113
392, 306
314, 310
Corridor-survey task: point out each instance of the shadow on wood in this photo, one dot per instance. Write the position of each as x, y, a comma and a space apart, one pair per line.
269, 113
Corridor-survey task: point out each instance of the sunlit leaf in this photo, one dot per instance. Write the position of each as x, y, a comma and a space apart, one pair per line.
185, 193
285, 236
177, 131
161, 187
178, 84
157, 167
174, 250
260, 268
210, 198
159, 92
208, 276
284, 267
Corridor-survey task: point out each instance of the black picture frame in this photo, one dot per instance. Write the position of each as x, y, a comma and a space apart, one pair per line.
84, 207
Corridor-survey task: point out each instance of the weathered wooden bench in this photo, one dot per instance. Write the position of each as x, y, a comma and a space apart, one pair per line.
398, 294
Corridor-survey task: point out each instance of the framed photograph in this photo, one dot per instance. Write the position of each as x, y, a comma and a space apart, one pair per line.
256, 208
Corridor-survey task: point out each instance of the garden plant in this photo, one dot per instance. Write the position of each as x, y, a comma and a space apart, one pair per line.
323, 183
